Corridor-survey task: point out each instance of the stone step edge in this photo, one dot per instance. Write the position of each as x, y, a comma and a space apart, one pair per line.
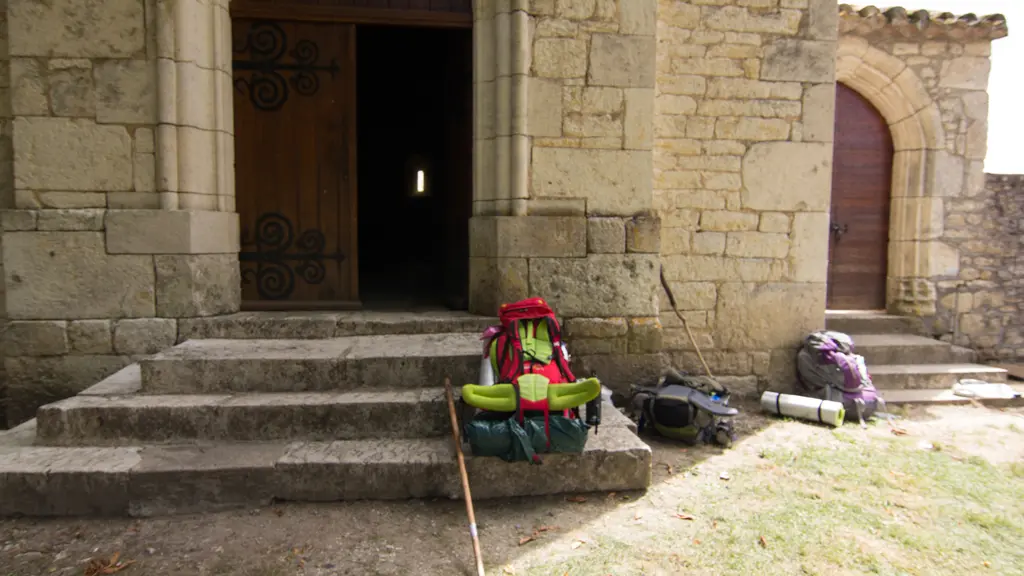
345, 348
112, 420
158, 480
911, 340
945, 396
932, 369
319, 325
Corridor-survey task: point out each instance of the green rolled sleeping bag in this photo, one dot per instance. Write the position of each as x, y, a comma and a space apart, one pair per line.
502, 397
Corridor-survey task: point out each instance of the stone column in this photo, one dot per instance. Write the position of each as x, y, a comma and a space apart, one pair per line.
123, 186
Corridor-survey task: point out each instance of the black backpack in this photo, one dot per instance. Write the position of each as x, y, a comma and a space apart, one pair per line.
688, 408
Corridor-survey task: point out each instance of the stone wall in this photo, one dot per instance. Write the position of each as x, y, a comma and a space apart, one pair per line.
743, 127
563, 201
987, 232
122, 186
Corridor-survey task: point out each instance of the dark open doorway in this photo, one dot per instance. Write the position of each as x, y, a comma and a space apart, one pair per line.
414, 142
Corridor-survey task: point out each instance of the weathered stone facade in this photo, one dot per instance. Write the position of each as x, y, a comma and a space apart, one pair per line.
982, 308
613, 139
743, 130
121, 186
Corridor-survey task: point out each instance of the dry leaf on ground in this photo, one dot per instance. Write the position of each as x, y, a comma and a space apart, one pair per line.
112, 565
576, 544
763, 541
684, 516
526, 539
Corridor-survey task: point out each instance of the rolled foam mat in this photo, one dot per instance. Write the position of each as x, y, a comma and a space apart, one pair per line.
824, 411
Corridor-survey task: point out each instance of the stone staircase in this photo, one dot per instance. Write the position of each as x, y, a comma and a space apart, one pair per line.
257, 407
907, 366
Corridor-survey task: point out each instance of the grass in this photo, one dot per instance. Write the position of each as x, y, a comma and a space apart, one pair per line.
882, 506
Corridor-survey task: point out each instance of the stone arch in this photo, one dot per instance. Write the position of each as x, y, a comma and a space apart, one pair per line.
920, 158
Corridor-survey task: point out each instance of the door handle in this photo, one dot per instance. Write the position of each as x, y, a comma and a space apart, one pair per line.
838, 230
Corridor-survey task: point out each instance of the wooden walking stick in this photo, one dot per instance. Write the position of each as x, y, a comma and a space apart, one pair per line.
464, 476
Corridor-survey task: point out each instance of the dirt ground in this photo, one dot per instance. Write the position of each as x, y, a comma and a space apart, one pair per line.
946, 497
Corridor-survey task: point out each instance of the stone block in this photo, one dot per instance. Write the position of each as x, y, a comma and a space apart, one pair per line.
28, 87
737, 19
18, 220
719, 268
197, 285
793, 60
596, 328
77, 28
545, 108
71, 154
755, 129
619, 372
71, 220
35, 338
33, 382
694, 295
495, 281
787, 176
588, 346
36, 200
125, 91
945, 174
71, 89
808, 254
144, 335
626, 61
638, 18
638, 125
69, 275
741, 88
709, 243
679, 14
824, 20
645, 336
606, 236
965, 73
757, 245
91, 337
643, 234
171, 232
614, 182
976, 105
528, 236
725, 221
819, 117
774, 222
144, 173
686, 84
598, 285
560, 58
768, 316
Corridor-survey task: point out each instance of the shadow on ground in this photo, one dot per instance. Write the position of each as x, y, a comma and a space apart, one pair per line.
696, 491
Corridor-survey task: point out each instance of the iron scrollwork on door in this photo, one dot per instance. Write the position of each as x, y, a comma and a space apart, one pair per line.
266, 44
274, 274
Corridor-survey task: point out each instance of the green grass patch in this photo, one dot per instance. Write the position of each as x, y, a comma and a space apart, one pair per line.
857, 507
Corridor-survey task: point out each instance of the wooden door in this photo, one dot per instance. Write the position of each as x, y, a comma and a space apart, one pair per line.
295, 126
861, 190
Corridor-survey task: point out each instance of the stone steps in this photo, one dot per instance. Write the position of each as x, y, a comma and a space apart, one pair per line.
150, 480
178, 418
934, 376
943, 397
872, 323
335, 364
321, 325
909, 349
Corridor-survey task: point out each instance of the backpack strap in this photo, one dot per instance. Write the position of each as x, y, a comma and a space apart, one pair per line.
555, 335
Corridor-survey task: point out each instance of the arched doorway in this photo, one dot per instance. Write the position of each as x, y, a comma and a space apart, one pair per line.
861, 192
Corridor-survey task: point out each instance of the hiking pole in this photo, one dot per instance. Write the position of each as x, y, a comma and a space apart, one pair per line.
672, 301
463, 476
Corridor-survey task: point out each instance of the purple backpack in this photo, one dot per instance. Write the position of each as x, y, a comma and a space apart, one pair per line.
828, 368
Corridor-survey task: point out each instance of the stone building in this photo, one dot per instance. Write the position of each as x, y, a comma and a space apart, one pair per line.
168, 163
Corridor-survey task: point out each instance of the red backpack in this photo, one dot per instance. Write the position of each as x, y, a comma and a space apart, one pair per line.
521, 345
